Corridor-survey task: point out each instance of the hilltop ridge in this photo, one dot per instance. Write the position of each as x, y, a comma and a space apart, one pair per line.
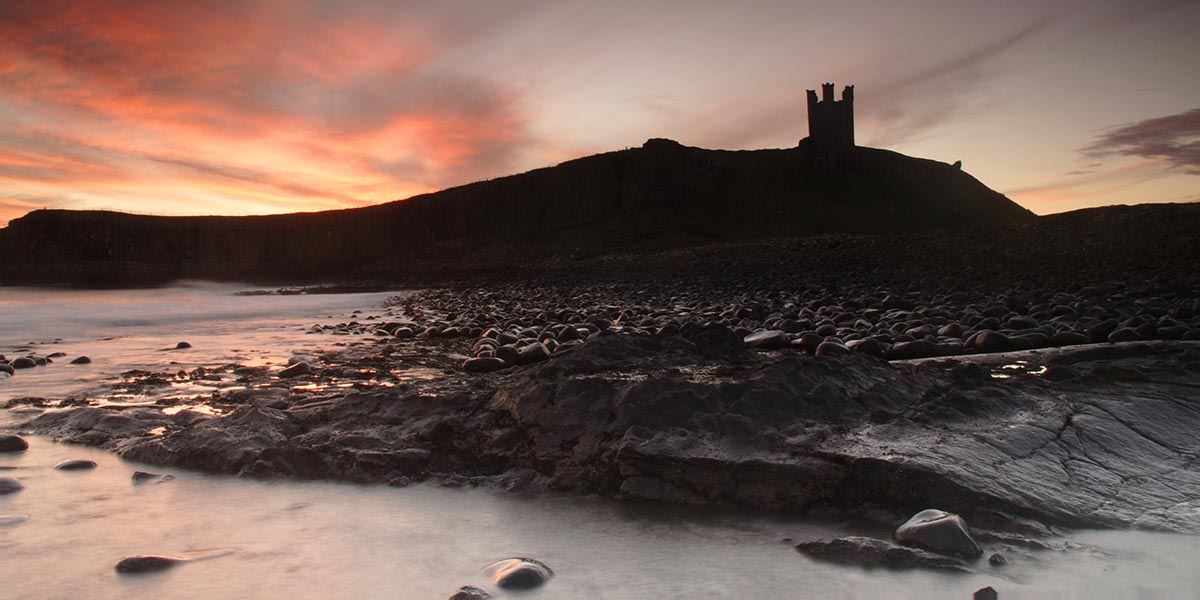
660, 195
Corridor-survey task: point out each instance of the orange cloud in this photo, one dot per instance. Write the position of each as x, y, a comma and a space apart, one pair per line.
252, 107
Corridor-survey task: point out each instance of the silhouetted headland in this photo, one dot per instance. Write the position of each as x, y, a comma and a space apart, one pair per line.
660, 195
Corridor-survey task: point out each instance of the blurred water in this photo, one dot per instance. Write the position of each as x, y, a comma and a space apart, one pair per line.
122, 330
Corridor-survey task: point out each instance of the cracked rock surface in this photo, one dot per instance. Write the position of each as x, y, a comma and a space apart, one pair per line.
1095, 436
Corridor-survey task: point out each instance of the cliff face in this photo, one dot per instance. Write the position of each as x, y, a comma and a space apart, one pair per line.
660, 195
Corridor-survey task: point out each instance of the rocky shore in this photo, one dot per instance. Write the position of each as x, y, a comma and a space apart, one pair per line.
1037, 390
656, 396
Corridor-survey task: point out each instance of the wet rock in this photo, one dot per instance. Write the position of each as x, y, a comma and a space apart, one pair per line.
938, 531
1069, 338
470, 592
913, 349
140, 477
871, 552
9, 485
829, 348
81, 360
483, 364
296, 370
12, 443
520, 574
147, 564
1124, 334
533, 353
987, 593
10, 520
76, 464
508, 354
990, 341
7, 369
867, 346
766, 340
182, 346
997, 560
1022, 322
23, 362
1100, 331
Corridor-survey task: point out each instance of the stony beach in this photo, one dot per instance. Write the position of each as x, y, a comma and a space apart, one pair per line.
1022, 403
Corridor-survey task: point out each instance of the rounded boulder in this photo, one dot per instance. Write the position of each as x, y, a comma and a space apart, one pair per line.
13, 443
938, 531
520, 574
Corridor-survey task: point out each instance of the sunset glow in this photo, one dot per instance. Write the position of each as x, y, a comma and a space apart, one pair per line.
235, 107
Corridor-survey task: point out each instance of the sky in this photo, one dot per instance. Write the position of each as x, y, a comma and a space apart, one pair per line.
266, 106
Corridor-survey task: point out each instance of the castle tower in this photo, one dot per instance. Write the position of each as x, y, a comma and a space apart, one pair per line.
831, 122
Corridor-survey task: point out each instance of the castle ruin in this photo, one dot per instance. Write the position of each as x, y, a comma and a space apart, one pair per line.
831, 122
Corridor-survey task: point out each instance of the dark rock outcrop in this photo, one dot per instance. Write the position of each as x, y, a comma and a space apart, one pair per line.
618, 416
871, 552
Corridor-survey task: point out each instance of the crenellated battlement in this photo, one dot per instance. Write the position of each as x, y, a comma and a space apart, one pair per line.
831, 121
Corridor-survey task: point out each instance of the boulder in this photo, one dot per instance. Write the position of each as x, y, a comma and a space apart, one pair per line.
470, 592
867, 346
9, 485
508, 354
23, 362
987, 593
182, 346
1124, 334
938, 531
991, 341
76, 464
831, 348
81, 360
533, 353
1069, 338
520, 573
147, 563
296, 370
913, 349
13, 443
766, 340
483, 364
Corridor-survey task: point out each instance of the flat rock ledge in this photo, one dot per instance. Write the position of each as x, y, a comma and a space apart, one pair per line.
1099, 437
871, 552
